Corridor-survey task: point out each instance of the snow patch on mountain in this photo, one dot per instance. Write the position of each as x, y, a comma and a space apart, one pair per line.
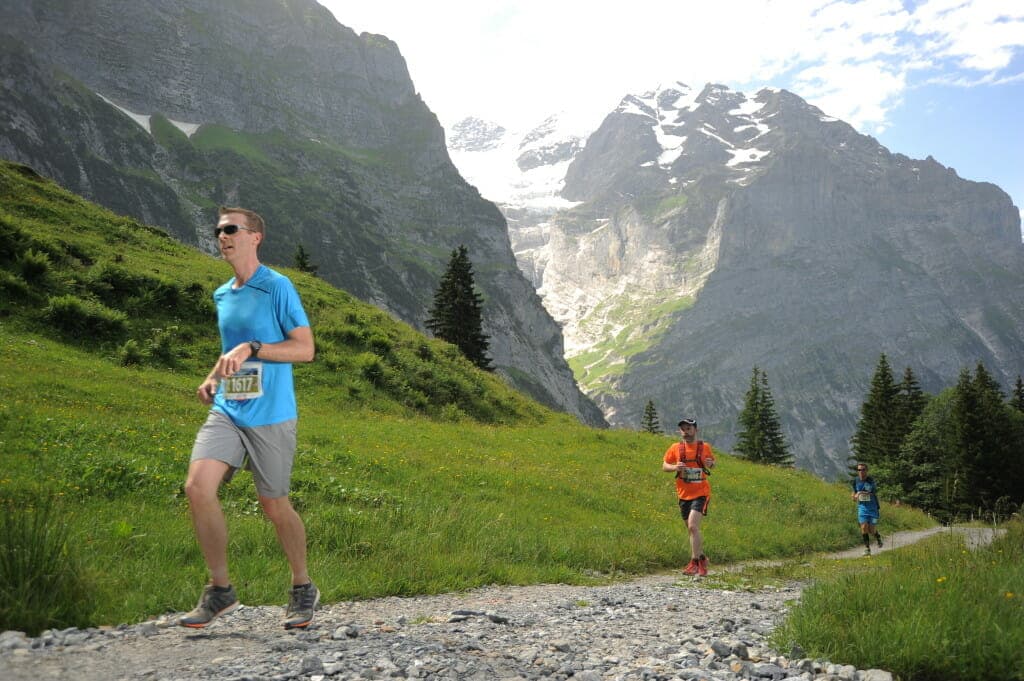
521, 169
742, 156
748, 107
143, 120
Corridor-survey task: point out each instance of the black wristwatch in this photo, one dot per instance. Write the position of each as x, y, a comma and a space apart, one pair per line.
255, 346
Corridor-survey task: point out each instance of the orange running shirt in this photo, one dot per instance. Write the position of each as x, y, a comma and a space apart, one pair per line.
690, 490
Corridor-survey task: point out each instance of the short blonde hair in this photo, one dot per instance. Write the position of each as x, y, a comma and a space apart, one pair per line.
252, 217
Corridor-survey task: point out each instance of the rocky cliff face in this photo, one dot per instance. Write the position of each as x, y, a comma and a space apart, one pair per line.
710, 232
163, 111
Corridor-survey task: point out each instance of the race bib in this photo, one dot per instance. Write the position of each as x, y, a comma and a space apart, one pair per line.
863, 496
692, 475
246, 383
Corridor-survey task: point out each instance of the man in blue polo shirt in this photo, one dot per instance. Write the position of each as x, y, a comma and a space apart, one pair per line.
865, 493
253, 415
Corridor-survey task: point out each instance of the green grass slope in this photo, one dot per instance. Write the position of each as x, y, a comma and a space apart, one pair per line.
416, 473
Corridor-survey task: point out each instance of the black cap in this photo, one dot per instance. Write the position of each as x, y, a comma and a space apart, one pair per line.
688, 422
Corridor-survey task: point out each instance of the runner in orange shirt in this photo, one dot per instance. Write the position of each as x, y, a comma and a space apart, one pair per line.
692, 460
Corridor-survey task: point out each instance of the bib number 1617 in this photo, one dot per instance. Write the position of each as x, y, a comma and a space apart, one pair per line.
246, 383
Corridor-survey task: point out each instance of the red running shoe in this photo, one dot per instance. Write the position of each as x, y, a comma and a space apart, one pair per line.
691, 567
702, 566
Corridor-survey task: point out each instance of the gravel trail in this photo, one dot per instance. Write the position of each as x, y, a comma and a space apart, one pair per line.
657, 627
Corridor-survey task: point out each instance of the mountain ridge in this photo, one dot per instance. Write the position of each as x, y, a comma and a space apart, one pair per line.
711, 231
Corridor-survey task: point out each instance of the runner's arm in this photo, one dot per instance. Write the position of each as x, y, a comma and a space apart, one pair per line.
667, 465
297, 347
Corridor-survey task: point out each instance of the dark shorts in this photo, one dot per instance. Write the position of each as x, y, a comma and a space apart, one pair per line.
700, 504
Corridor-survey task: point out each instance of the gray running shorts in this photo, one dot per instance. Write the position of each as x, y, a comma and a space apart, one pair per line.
267, 451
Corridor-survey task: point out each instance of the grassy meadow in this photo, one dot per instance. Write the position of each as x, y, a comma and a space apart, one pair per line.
416, 473
394, 503
932, 610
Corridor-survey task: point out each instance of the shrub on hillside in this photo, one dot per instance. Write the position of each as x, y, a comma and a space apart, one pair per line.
452, 414
157, 350
160, 346
35, 267
13, 242
85, 318
371, 368
115, 285
13, 288
130, 354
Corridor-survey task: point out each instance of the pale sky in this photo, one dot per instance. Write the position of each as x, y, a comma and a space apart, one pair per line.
931, 77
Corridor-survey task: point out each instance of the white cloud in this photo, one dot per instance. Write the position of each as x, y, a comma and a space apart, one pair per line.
517, 61
858, 93
981, 36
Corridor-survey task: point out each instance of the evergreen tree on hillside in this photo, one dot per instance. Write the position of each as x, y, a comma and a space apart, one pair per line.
749, 439
910, 402
1013, 478
650, 422
984, 432
302, 262
776, 451
930, 464
1017, 397
876, 440
1002, 465
760, 438
456, 315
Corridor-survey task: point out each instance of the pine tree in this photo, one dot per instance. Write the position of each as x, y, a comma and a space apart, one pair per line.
775, 450
1017, 398
930, 466
910, 402
456, 315
760, 438
650, 422
302, 262
875, 440
984, 433
1015, 463
749, 440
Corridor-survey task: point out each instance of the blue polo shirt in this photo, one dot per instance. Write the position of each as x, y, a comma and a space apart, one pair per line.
868, 484
266, 309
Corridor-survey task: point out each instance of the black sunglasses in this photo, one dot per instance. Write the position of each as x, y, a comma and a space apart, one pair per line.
230, 229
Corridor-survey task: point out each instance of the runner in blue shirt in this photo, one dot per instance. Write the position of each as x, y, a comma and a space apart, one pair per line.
865, 493
252, 419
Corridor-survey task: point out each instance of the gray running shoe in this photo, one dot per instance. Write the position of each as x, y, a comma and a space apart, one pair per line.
212, 604
302, 602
